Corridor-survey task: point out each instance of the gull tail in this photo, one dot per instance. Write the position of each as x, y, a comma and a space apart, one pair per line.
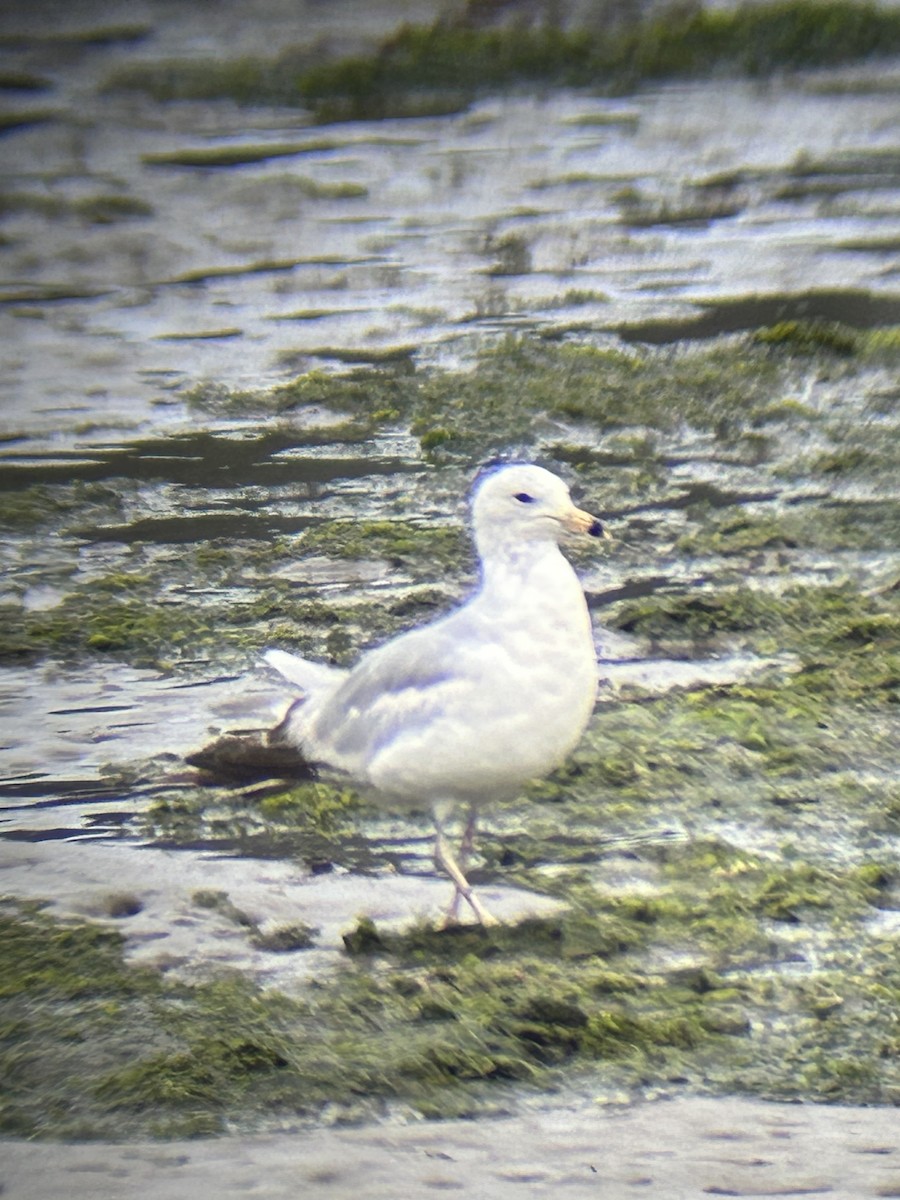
309, 677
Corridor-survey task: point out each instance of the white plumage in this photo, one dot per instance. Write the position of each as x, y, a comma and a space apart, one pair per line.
469, 708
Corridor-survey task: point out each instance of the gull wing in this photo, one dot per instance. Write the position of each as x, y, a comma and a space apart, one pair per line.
400, 687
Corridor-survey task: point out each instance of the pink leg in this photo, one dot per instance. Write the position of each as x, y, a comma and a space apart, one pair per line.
463, 892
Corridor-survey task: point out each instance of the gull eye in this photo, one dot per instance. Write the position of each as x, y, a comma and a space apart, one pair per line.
523, 498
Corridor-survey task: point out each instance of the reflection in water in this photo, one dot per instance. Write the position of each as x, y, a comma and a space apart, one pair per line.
699, 208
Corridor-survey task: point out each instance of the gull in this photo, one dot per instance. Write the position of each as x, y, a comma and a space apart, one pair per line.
466, 710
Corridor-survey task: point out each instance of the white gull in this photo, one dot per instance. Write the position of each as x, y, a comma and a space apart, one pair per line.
468, 709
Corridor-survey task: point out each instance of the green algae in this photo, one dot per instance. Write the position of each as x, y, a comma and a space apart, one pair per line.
152, 615
245, 80
695, 207
223, 156
759, 39
28, 507
371, 395
433, 548
87, 36
25, 119
726, 390
511, 254
441, 1021
574, 297
829, 622
100, 209
849, 526
141, 631
576, 936
557, 987
441, 68
121, 617
319, 806
162, 611
828, 1054
55, 507
282, 938
627, 988
810, 337
873, 315
13, 80
312, 820
520, 384
212, 157
213, 1052
399, 356
847, 646
43, 958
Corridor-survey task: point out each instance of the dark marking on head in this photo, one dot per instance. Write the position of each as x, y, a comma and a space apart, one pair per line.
493, 465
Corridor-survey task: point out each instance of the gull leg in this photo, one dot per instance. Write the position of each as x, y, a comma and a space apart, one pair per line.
443, 857
465, 850
467, 845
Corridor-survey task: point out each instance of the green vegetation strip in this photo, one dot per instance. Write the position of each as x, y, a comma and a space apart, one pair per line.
613, 417
445, 1022
442, 67
95, 210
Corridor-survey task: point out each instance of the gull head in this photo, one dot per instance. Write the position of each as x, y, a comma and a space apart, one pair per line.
519, 502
